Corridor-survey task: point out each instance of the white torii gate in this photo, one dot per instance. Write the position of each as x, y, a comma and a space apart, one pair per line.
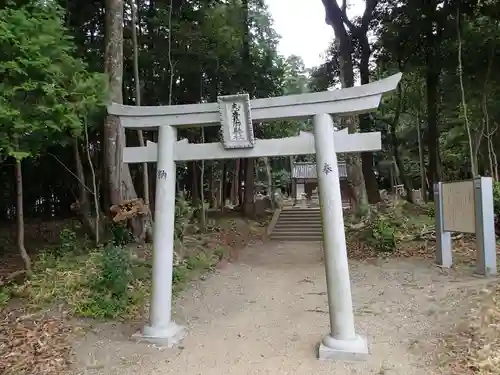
235, 113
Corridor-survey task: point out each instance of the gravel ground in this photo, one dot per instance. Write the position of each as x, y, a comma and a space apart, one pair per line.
266, 313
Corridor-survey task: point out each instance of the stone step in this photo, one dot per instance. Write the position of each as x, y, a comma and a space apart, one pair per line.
305, 214
312, 216
316, 221
303, 238
295, 233
297, 210
299, 214
303, 231
298, 225
298, 230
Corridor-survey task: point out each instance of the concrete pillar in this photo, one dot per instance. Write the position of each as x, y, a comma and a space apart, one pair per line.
486, 260
342, 341
444, 247
161, 329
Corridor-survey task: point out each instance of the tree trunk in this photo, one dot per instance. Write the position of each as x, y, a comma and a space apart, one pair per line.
395, 147
472, 153
235, 184
241, 180
203, 214
293, 190
83, 195
20, 217
248, 199
213, 187
353, 161
246, 69
433, 131
270, 191
355, 175
433, 73
147, 220
365, 123
223, 186
83, 210
423, 179
97, 223
120, 182
195, 184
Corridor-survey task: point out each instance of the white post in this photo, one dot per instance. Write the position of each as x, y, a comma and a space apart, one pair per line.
444, 246
161, 329
342, 342
486, 260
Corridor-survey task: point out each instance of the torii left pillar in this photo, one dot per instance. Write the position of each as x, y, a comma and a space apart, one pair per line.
162, 330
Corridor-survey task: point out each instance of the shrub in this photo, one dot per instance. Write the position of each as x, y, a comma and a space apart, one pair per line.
68, 240
121, 235
431, 210
108, 295
496, 205
183, 211
4, 297
384, 235
496, 198
103, 283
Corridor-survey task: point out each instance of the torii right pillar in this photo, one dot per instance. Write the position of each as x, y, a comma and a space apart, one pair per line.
342, 343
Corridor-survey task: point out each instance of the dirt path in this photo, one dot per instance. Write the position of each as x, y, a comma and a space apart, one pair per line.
266, 313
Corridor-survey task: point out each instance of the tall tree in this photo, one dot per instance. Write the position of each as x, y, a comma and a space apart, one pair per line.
120, 183
246, 76
432, 40
135, 24
344, 42
45, 92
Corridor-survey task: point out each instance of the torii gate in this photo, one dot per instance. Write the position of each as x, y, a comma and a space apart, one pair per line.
235, 114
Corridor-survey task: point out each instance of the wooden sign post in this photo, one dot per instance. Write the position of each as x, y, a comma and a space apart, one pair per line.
467, 207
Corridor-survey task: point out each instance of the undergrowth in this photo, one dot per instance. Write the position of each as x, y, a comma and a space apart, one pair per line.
393, 222
390, 224
114, 280
107, 282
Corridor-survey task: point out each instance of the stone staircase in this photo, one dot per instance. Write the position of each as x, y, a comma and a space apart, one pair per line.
298, 224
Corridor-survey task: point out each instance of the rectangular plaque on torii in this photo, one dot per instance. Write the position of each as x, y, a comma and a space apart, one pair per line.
236, 121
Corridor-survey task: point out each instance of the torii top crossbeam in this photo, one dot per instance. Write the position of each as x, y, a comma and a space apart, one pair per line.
349, 101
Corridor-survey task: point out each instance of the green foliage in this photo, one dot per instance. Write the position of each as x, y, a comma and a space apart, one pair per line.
45, 91
183, 212
71, 241
121, 235
431, 210
196, 263
115, 273
109, 290
5, 297
103, 283
281, 178
496, 198
68, 239
99, 284
383, 233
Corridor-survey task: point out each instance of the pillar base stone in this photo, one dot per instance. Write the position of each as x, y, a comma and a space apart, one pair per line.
166, 337
331, 349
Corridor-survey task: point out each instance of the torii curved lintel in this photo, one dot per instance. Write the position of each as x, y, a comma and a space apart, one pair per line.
349, 101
